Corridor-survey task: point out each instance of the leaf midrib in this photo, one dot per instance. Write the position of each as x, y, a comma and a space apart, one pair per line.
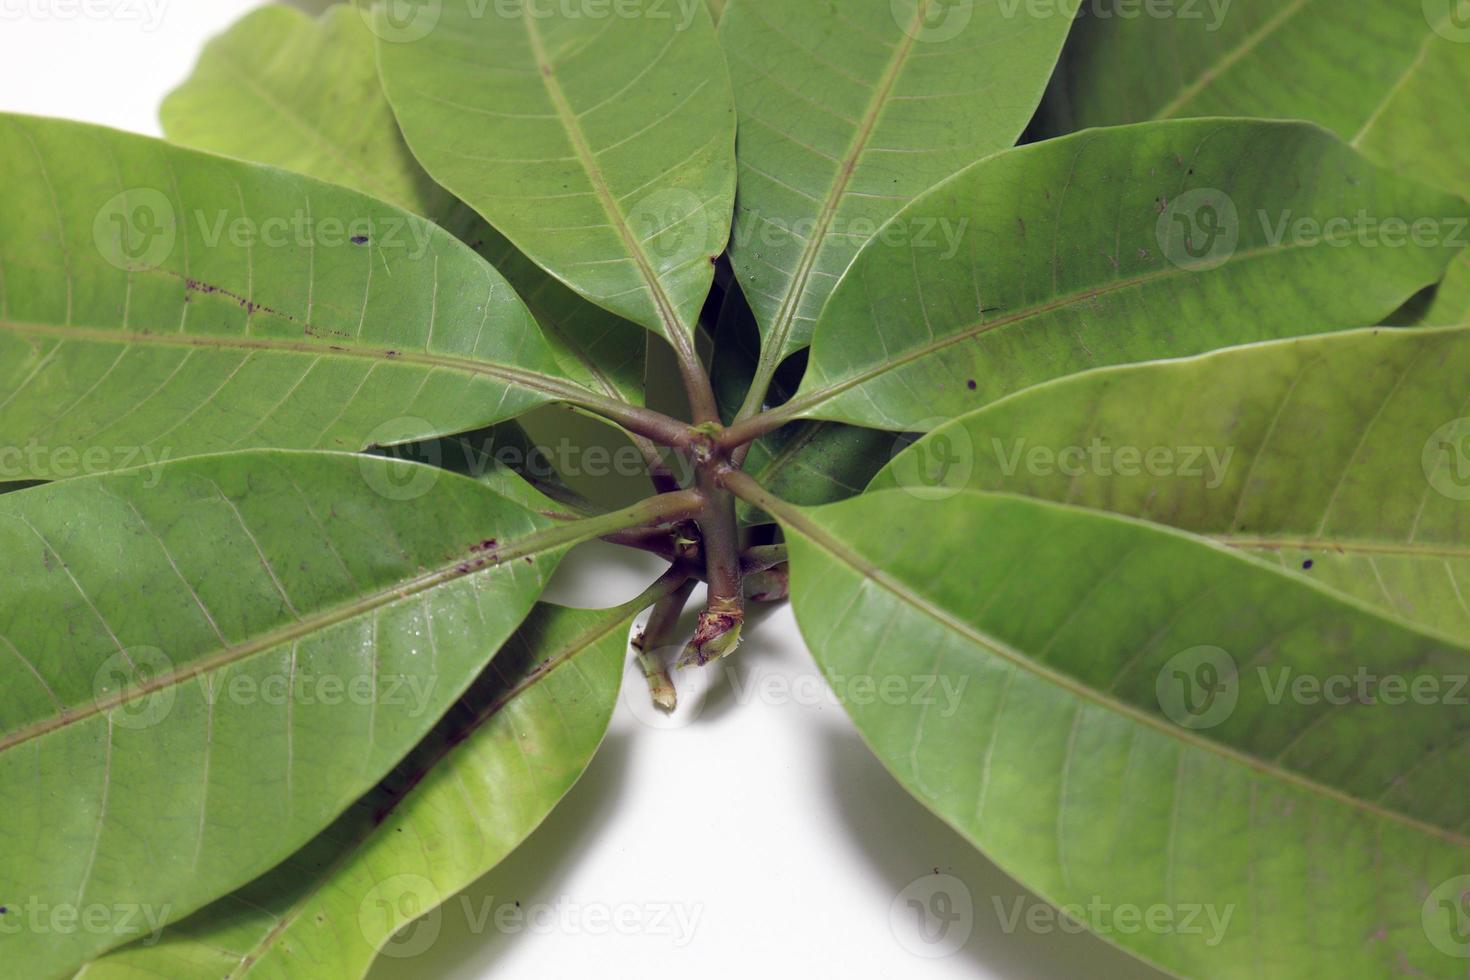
796, 518
534, 544
775, 347
544, 383
802, 404
1229, 59
673, 327
1345, 546
450, 749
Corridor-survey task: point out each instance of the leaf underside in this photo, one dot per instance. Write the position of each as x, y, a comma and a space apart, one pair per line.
1063, 635
157, 749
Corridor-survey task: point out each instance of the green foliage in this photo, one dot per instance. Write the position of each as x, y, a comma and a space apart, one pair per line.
1102, 432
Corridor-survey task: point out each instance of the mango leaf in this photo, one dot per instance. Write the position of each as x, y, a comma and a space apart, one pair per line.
1451, 303
1420, 127
1331, 62
602, 147
206, 663
1344, 458
1131, 732
848, 110
1117, 246
303, 94
469, 795
158, 302
806, 463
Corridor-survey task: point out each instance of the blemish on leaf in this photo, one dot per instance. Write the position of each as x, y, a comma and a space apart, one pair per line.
359, 239
487, 545
1308, 564
971, 384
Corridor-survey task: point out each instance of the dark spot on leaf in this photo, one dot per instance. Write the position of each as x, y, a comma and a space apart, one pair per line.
971, 384
1308, 564
359, 239
487, 545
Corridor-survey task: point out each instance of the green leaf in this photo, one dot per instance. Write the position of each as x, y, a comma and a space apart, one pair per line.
467, 797
158, 302
282, 88
602, 147
848, 110
303, 94
1117, 246
205, 664
1451, 303
1344, 458
806, 463
1321, 60
1422, 126
1115, 733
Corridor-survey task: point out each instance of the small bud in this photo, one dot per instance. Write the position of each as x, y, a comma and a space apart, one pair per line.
717, 636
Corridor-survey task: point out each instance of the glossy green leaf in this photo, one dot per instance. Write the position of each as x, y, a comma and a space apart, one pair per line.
849, 110
303, 94
1335, 62
467, 797
157, 302
1344, 458
1120, 730
1117, 246
205, 664
601, 146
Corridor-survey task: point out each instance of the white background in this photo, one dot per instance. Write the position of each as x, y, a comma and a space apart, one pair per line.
763, 821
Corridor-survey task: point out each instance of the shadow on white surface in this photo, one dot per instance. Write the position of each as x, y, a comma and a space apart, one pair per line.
905, 843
